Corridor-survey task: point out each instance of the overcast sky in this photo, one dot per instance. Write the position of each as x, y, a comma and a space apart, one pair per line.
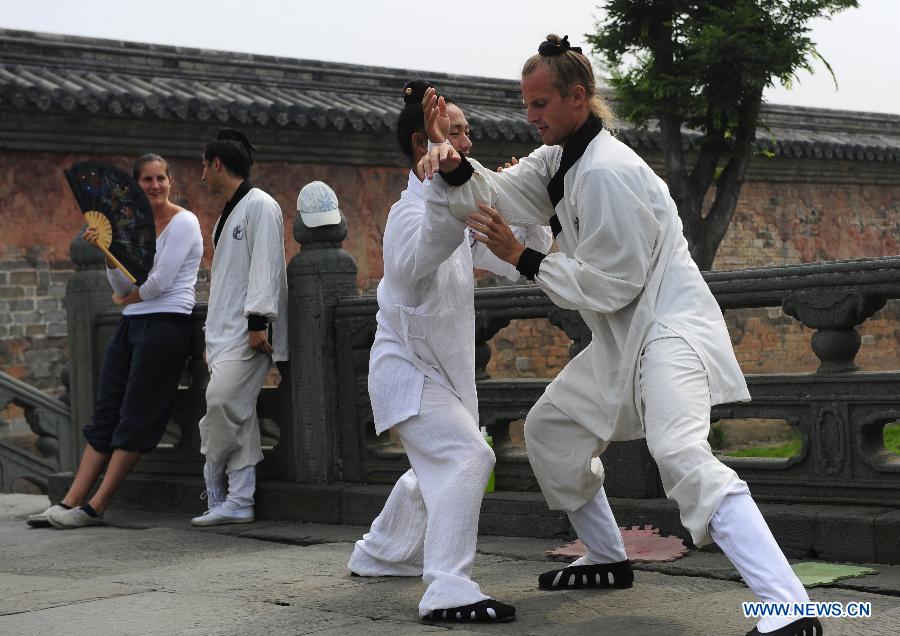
476, 37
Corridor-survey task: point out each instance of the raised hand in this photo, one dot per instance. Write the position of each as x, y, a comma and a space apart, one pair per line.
492, 230
437, 122
92, 236
442, 157
509, 164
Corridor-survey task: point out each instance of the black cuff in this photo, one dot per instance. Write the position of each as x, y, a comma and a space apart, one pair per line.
530, 263
255, 322
461, 175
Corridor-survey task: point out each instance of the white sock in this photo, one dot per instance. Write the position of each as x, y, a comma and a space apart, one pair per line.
241, 487
581, 561
216, 482
739, 529
596, 526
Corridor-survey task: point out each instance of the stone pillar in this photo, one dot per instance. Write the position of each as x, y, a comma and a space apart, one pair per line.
834, 314
87, 294
317, 277
486, 328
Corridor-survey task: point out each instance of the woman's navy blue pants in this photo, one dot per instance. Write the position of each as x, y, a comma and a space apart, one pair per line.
138, 382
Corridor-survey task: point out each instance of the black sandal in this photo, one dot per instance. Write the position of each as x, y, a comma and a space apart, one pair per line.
486, 611
575, 577
802, 627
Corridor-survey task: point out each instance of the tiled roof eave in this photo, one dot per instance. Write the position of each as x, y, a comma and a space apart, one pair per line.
67, 74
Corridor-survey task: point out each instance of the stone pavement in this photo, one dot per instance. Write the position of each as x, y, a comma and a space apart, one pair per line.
154, 574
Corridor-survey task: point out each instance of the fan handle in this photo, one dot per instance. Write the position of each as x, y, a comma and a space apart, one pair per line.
99, 222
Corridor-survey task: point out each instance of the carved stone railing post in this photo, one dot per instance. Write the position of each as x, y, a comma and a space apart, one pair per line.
87, 294
486, 327
571, 323
835, 314
317, 277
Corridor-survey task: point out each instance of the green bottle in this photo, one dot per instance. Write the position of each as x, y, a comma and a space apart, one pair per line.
490, 442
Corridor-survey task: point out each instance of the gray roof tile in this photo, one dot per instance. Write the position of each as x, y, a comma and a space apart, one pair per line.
124, 79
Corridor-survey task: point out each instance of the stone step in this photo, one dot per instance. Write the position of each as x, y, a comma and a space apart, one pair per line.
859, 534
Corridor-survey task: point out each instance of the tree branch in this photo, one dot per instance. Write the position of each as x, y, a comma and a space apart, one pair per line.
712, 147
728, 188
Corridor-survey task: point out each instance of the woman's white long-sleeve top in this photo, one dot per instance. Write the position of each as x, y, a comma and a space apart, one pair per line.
623, 263
169, 287
248, 277
426, 307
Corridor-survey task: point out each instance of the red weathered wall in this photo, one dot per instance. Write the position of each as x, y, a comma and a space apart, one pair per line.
40, 216
789, 223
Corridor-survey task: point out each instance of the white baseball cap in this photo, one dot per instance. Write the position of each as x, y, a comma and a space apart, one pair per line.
318, 205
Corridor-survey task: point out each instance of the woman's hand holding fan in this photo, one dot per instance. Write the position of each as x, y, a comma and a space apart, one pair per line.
99, 234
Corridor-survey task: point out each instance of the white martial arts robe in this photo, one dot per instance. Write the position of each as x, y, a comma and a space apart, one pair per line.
248, 277
422, 380
426, 310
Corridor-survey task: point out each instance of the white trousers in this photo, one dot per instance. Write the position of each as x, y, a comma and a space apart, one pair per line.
739, 529
429, 524
713, 502
229, 432
675, 393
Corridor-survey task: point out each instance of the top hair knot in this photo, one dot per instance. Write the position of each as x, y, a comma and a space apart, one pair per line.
414, 91
555, 46
229, 134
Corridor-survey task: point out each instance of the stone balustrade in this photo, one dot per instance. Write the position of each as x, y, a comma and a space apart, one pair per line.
839, 410
324, 462
48, 419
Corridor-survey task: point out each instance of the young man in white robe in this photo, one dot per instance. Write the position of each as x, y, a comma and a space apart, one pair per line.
660, 354
422, 383
247, 301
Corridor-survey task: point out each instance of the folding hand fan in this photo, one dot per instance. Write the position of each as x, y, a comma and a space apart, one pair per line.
117, 207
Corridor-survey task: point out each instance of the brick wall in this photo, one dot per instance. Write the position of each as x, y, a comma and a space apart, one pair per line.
33, 320
789, 223
765, 341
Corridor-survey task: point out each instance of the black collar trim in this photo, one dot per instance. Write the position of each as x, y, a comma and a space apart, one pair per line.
555, 225
239, 194
572, 152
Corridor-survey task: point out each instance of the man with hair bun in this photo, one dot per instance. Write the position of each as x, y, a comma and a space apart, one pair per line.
660, 354
247, 303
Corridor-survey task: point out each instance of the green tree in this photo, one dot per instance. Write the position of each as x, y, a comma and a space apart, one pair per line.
703, 65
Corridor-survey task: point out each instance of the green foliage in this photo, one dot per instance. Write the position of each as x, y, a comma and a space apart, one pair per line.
892, 438
718, 436
791, 448
699, 61
788, 449
705, 65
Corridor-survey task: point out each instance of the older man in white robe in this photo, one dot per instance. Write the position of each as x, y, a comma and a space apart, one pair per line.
422, 384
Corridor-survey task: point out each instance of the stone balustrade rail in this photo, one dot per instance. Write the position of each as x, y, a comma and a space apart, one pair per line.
48, 419
317, 424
